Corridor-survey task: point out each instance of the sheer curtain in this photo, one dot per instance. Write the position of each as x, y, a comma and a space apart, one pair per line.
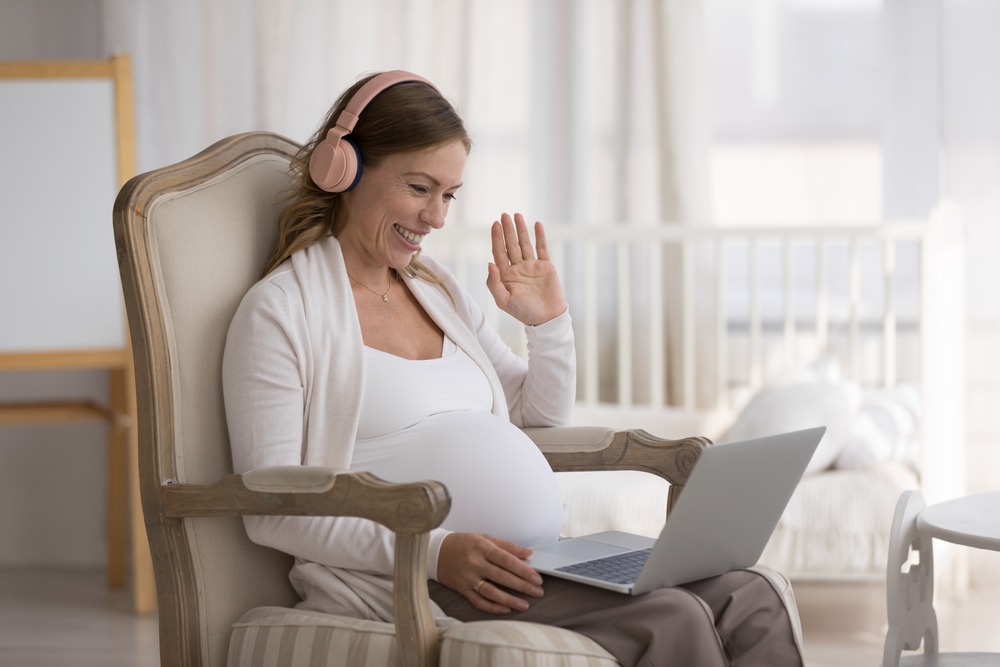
583, 112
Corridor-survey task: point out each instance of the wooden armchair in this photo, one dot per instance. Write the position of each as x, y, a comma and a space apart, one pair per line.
192, 238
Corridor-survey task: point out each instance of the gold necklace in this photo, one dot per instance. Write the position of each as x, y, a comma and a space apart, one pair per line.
385, 297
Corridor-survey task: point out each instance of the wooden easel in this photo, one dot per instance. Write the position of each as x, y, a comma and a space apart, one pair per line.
123, 485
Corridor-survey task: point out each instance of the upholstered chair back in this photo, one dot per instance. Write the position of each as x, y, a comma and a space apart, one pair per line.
201, 232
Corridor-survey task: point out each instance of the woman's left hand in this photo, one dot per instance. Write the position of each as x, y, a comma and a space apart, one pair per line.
523, 286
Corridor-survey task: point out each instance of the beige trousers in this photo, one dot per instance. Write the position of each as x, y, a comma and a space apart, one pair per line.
735, 619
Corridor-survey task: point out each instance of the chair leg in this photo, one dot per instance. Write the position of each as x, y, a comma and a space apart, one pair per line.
117, 481
143, 579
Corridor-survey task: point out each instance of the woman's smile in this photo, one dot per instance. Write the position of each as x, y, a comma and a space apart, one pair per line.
412, 239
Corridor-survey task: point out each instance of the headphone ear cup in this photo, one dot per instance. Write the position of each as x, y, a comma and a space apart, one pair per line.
333, 166
352, 174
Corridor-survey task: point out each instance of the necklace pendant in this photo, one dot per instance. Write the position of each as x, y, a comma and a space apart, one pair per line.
385, 297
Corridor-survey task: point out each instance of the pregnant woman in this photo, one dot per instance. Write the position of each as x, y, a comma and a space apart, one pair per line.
357, 353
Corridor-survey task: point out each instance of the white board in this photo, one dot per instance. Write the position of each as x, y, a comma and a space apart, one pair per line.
59, 281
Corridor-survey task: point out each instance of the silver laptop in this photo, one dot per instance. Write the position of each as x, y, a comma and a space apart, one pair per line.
730, 505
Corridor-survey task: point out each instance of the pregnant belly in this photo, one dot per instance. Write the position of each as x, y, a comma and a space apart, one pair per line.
500, 484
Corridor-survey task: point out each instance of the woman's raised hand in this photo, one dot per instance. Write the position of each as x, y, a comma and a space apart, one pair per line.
524, 286
477, 565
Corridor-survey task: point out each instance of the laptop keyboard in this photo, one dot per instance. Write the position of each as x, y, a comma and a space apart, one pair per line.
618, 569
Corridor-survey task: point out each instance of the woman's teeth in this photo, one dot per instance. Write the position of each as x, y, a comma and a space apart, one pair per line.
415, 239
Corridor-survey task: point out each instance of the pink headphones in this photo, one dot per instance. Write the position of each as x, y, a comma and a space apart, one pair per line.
334, 167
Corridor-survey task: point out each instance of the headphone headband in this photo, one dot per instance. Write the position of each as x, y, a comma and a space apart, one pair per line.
333, 167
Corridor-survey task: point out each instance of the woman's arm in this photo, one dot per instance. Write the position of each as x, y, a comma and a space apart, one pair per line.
540, 392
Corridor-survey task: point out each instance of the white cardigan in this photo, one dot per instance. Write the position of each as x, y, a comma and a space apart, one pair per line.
293, 372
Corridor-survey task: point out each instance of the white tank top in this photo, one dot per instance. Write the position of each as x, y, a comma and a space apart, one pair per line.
432, 420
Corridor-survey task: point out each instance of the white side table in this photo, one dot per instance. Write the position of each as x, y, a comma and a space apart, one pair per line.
973, 521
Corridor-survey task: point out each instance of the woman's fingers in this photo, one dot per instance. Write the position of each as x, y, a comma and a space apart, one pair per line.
502, 576
510, 239
499, 248
495, 600
541, 242
487, 571
512, 242
511, 557
505, 568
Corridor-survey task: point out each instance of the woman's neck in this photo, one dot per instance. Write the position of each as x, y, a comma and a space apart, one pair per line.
364, 271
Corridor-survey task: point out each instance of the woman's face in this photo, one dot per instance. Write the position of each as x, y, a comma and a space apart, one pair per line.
396, 204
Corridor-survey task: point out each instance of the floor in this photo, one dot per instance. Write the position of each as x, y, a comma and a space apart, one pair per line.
846, 624
52, 618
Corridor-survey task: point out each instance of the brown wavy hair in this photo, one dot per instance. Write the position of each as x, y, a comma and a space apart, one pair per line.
407, 117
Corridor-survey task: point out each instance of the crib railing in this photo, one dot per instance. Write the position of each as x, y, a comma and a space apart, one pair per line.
724, 267
712, 313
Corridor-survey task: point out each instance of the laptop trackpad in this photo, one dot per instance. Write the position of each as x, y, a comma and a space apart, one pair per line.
581, 549
568, 552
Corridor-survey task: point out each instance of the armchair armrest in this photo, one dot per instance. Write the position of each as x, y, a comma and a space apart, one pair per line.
312, 491
411, 510
583, 448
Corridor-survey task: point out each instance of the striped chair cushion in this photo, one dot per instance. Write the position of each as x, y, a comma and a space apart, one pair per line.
502, 643
276, 636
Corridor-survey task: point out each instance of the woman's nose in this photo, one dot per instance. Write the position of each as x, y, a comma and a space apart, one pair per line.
434, 214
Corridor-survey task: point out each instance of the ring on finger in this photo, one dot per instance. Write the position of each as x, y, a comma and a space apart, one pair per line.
476, 587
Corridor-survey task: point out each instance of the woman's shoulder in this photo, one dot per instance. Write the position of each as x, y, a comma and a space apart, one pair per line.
274, 292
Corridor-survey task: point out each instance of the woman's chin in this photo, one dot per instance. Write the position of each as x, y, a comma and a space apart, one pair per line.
400, 263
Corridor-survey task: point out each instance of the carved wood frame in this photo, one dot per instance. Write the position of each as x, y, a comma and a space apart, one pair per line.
411, 510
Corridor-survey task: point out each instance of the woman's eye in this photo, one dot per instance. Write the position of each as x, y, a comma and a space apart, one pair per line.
419, 189
450, 196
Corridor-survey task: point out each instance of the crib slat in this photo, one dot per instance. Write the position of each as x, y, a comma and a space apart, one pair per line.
557, 255
790, 352
590, 322
721, 331
756, 370
822, 312
689, 330
854, 299
889, 315
624, 326
657, 362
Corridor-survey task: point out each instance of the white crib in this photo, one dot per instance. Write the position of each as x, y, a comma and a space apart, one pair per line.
678, 326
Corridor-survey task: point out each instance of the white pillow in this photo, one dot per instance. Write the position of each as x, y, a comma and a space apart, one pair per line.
887, 428
799, 406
